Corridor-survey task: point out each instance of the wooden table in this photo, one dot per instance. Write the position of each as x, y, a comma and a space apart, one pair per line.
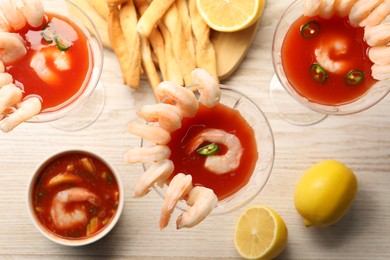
361, 141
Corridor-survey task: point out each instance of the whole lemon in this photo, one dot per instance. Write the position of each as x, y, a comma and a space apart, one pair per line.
325, 193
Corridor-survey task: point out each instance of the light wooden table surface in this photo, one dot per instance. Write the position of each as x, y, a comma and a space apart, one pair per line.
361, 141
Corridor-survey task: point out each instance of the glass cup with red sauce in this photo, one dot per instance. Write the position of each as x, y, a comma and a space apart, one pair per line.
75, 197
68, 86
236, 114
323, 65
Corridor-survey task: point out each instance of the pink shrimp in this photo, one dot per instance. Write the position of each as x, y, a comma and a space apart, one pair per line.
63, 219
179, 186
219, 164
202, 201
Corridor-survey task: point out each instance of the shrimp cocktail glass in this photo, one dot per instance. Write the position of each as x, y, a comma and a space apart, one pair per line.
207, 149
52, 58
331, 57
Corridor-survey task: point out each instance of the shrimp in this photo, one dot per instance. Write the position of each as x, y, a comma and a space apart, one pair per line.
377, 35
379, 55
155, 134
361, 10
157, 173
33, 11
63, 219
380, 72
202, 201
327, 8
185, 99
12, 47
39, 64
377, 15
169, 117
219, 164
208, 87
10, 95
343, 7
338, 49
5, 79
147, 154
26, 110
311, 7
12, 14
4, 27
179, 186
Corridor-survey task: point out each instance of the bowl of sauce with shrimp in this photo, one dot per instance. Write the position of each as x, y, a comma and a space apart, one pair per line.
75, 197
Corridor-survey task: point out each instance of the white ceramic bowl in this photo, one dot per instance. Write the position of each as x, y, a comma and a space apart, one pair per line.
65, 240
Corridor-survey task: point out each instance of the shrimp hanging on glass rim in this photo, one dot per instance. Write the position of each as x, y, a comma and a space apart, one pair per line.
163, 118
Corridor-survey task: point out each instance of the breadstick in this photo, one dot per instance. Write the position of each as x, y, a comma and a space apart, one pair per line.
128, 21
173, 71
204, 50
148, 65
117, 39
184, 15
152, 16
155, 39
183, 57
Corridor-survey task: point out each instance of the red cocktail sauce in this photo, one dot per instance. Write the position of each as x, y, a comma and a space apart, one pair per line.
229, 120
298, 54
69, 82
68, 171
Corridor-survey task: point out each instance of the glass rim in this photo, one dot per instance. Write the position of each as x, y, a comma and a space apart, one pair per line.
93, 75
370, 98
223, 206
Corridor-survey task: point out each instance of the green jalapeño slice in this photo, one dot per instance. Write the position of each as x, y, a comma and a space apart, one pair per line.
208, 149
354, 77
310, 30
318, 73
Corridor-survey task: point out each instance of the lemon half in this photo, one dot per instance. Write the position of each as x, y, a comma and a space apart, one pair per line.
230, 15
260, 233
325, 193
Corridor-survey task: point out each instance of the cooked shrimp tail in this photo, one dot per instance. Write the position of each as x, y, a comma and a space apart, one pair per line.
361, 10
184, 98
147, 154
9, 95
12, 14
377, 35
26, 110
179, 186
201, 201
152, 133
169, 117
33, 11
12, 47
208, 87
157, 173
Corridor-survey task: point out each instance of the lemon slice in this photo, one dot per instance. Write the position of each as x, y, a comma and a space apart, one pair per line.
230, 15
260, 233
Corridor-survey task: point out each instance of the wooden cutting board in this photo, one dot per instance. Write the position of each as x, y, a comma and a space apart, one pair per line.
231, 48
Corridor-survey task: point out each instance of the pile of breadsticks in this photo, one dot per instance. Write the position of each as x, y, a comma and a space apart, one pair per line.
165, 39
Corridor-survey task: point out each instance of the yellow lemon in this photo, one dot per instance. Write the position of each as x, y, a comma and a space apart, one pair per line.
230, 15
260, 233
325, 193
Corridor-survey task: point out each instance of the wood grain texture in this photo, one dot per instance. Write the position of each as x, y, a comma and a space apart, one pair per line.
361, 141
